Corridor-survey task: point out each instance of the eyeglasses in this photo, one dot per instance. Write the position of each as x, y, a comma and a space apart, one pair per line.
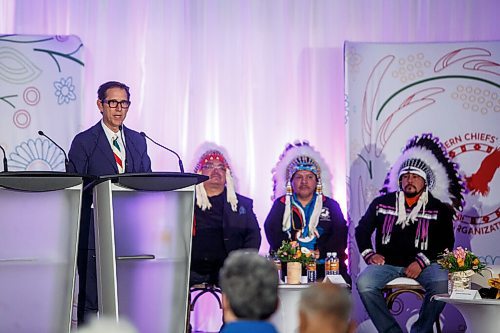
113, 103
210, 166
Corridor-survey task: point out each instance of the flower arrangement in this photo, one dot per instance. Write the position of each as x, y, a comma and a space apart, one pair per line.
460, 260
292, 252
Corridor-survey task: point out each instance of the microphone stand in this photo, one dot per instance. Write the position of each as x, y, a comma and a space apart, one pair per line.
181, 166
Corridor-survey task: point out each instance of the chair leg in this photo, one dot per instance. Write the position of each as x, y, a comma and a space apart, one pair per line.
188, 316
215, 291
438, 326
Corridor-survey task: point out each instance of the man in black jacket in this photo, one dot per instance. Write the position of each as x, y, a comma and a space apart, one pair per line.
106, 148
412, 225
224, 220
303, 211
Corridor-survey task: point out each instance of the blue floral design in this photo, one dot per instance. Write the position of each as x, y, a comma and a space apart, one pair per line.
36, 155
65, 90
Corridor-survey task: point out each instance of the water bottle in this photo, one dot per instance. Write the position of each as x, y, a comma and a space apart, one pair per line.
328, 261
335, 264
311, 271
277, 262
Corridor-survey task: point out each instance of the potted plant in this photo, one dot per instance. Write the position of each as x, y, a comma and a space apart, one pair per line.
294, 256
461, 265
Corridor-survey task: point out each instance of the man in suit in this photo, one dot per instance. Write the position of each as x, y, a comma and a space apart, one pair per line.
224, 220
106, 148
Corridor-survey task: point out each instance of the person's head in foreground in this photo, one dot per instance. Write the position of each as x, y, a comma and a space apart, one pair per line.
249, 286
325, 308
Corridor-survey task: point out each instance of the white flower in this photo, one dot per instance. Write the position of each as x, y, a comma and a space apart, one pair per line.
305, 250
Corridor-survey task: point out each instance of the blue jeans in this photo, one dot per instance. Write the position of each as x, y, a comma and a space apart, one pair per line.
374, 277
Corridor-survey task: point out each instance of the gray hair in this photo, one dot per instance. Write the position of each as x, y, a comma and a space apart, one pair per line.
250, 283
328, 300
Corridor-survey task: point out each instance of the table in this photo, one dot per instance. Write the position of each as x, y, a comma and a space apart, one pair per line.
286, 317
481, 315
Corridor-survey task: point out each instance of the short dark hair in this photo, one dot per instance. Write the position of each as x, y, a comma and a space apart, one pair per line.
101, 92
250, 283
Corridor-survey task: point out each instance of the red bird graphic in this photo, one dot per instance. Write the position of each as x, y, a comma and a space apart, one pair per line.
478, 182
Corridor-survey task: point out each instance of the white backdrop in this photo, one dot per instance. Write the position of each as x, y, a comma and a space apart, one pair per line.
249, 75
41, 89
452, 90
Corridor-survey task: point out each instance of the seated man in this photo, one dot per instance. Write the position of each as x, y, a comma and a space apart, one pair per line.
325, 308
249, 293
224, 221
301, 212
412, 225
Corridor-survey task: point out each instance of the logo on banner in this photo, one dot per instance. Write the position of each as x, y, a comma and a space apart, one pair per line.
478, 154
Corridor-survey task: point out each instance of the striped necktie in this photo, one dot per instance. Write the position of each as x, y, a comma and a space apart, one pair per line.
117, 152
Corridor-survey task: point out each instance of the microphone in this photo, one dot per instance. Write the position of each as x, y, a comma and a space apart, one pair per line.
181, 166
5, 168
120, 128
64, 152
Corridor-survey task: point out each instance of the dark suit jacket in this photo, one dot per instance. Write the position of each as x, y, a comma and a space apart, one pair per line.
91, 154
240, 229
333, 239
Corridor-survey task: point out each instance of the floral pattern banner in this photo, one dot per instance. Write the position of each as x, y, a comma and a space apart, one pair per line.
452, 90
40, 90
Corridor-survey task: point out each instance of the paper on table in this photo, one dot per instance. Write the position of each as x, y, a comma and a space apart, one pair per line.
335, 279
465, 294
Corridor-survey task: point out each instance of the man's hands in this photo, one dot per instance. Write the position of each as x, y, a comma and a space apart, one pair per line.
413, 270
376, 259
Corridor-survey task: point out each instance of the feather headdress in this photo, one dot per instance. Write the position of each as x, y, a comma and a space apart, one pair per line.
208, 152
300, 156
426, 155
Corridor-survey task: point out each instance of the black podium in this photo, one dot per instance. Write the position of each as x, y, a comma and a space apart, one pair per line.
143, 226
39, 221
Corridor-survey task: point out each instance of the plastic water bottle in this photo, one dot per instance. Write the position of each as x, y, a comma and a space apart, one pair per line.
311, 271
328, 264
273, 256
335, 264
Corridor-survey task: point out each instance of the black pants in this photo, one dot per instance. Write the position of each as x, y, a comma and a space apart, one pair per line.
87, 295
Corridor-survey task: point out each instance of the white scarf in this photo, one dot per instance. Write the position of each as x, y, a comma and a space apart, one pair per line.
403, 219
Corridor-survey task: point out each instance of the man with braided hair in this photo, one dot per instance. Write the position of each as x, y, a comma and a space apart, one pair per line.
412, 224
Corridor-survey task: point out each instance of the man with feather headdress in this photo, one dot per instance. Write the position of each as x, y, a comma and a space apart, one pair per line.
224, 220
301, 210
413, 223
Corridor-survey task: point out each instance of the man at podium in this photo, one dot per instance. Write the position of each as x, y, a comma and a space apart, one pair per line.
224, 220
106, 148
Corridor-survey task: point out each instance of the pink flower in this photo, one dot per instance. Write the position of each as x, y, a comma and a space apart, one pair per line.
459, 253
